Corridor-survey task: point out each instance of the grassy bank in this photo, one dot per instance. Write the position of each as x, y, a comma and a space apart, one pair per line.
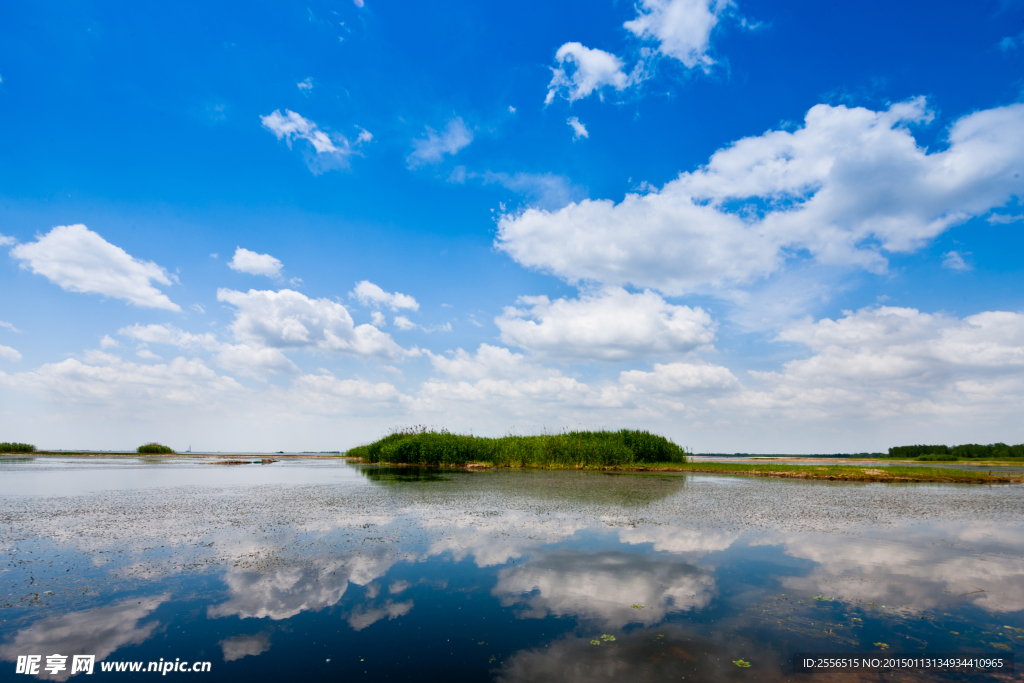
570, 450
845, 472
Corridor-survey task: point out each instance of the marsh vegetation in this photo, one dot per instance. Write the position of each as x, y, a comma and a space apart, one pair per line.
155, 448
570, 450
967, 451
15, 447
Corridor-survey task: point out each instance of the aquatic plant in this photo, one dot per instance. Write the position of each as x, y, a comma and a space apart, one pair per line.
743, 664
419, 446
14, 447
154, 447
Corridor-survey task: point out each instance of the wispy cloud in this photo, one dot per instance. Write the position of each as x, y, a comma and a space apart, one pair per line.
578, 129
330, 151
432, 148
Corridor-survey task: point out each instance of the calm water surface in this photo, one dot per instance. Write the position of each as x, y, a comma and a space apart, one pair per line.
319, 570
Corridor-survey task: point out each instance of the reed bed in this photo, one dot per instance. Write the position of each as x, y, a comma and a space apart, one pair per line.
568, 450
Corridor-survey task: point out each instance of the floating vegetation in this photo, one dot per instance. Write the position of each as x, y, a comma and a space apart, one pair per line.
1015, 630
883, 646
742, 663
418, 446
595, 642
607, 638
819, 598
639, 606
1001, 646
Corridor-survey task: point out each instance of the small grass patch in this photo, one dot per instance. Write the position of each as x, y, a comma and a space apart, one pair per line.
154, 448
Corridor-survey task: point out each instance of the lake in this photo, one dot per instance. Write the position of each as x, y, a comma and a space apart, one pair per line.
315, 569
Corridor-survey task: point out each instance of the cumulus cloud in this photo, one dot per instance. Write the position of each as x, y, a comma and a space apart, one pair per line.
330, 151
578, 129
582, 70
245, 646
675, 379
847, 186
98, 631
361, 617
603, 587
888, 361
6, 240
432, 148
105, 379
79, 260
370, 294
10, 354
165, 334
682, 28
287, 319
610, 325
403, 323
251, 361
245, 261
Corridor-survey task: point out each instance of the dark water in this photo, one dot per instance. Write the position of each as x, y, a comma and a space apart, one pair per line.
317, 570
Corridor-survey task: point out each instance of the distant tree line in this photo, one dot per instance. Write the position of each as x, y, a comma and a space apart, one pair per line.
992, 451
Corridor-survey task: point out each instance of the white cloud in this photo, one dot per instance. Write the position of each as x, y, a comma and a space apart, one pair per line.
542, 190
592, 69
1004, 219
330, 150
245, 261
578, 129
609, 325
10, 354
370, 294
98, 631
361, 617
6, 240
107, 379
378, 319
289, 320
108, 342
147, 354
848, 185
245, 646
165, 334
681, 27
254, 361
432, 148
403, 323
305, 85
78, 260
511, 109
954, 261
9, 326
886, 361
674, 379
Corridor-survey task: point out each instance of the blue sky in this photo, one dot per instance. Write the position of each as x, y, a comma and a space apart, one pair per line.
749, 226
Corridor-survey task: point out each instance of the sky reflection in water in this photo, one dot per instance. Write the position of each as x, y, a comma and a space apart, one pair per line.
269, 571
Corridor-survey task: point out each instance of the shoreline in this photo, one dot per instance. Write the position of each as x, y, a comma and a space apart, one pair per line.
815, 470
